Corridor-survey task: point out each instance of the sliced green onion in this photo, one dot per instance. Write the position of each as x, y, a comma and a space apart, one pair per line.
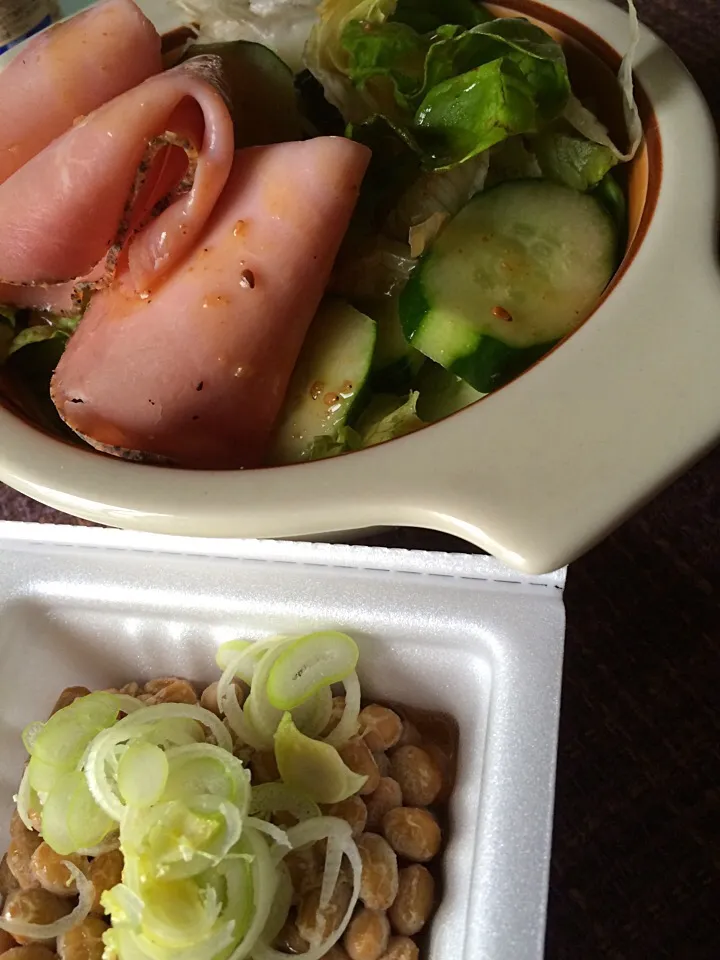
262, 714
110, 843
176, 840
128, 704
227, 652
255, 650
313, 716
229, 705
63, 740
123, 905
265, 882
176, 732
71, 820
348, 725
313, 767
30, 735
43, 776
321, 828
269, 829
179, 912
204, 768
300, 836
55, 825
239, 882
336, 843
125, 729
25, 799
142, 774
281, 905
87, 823
307, 665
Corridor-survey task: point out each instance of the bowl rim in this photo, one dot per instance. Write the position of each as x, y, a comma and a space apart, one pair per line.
435, 478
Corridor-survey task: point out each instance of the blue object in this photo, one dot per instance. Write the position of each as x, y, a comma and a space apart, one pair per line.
41, 26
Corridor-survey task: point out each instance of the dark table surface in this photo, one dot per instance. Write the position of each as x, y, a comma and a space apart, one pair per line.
636, 855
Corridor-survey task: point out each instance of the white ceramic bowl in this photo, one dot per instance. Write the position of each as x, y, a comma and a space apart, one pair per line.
539, 471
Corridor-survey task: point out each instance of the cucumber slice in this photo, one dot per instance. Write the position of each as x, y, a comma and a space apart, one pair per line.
262, 97
442, 393
518, 269
332, 370
395, 362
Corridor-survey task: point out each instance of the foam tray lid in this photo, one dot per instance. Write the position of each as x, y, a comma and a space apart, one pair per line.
454, 633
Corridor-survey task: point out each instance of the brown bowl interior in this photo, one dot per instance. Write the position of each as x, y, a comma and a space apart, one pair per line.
593, 66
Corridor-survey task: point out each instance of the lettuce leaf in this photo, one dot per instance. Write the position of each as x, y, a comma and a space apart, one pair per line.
54, 328
609, 194
387, 418
413, 64
467, 115
512, 160
570, 159
452, 82
456, 93
328, 60
426, 16
31, 335
379, 267
325, 446
539, 57
387, 61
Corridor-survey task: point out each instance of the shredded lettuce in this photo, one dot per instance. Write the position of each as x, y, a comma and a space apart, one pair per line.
387, 418
442, 193
279, 25
586, 123
343, 441
378, 268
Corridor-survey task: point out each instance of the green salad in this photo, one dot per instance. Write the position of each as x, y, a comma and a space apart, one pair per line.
491, 219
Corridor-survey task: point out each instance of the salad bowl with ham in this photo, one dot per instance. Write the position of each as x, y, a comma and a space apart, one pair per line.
236, 259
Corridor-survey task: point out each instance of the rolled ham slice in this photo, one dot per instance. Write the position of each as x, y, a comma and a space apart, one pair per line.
64, 209
195, 375
67, 72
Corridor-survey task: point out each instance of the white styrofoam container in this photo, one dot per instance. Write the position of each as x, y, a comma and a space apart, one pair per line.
459, 634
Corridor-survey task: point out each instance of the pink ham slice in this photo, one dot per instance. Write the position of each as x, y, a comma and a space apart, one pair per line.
63, 209
58, 300
196, 374
67, 72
